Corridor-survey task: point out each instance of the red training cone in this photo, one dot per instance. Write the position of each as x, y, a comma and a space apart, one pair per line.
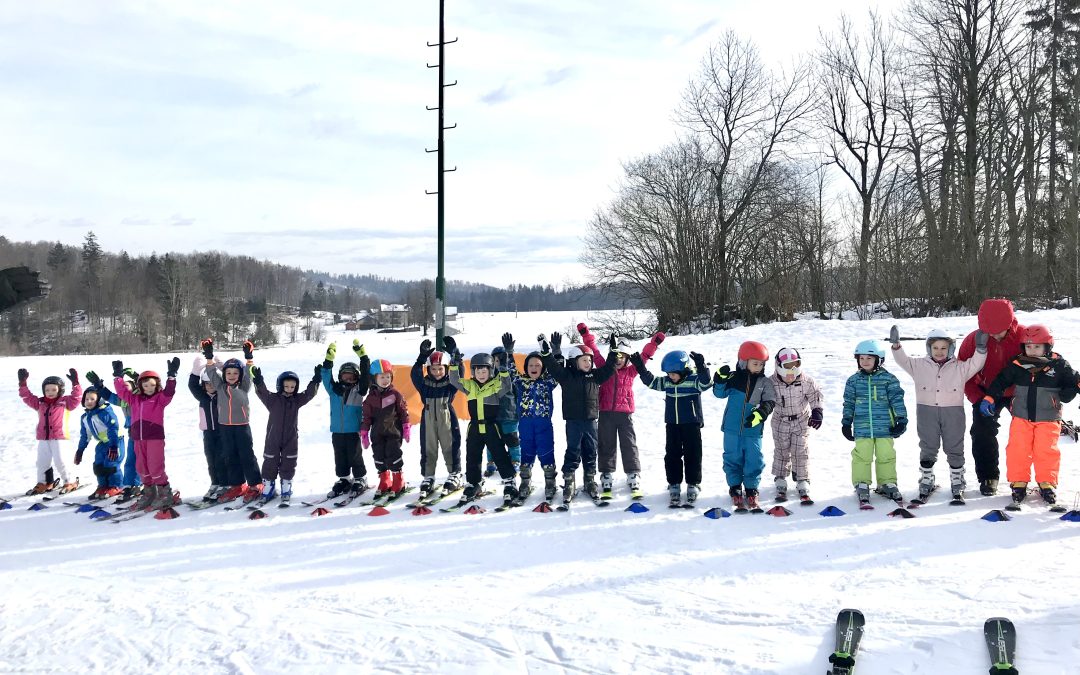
902, 513
378, 511
320, 511
257, 514
166, 514
474, 509
542, 507
778, 511
421, 511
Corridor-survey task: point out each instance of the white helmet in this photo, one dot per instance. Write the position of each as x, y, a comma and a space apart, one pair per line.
787, 355
939, 334
204, 375
576, 351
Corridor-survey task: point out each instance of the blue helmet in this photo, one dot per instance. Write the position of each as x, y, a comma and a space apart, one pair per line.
675, 362
870, 348
231, 363
287, 375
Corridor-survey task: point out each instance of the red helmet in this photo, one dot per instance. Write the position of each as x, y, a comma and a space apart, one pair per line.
148, 375
753, 350
1037, 334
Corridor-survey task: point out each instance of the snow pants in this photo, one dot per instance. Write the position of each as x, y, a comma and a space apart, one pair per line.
386, 447
150, 462
348, 455
1033, 443
511, 434
220, 471
537, 440
50, 454
682, 451
790, 453
239, 452
984, 442
434, 437
131, 474
941, 427
580, 446
475, 443
743, 460
617, 427
109, 472
279, 461
876, 451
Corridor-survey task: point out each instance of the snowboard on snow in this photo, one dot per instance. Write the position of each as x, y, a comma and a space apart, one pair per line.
849, 630
1000, 637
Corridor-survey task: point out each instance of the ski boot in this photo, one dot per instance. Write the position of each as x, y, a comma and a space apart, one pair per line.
38, 489
526, 480
692, 492
674, 496
339, 488
490, 470
212, 494
803, 486
112, 492
397, 482
453, 482
737, 500
97, 495
427, 486
1019, 493
470, 492
891, 491
70, 486
752, 502
146, 498
927, 483
268, 491
510, 491
252, 492
781, 489
606, 485
232, 492
163, 497
384, 484
862, 491
633, 481
569, 487
988, 487
127, 494
958, 485
550, 488
589, 484
1046, 491
286, 491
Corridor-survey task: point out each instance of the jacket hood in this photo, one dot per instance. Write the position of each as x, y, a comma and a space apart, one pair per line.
996, 315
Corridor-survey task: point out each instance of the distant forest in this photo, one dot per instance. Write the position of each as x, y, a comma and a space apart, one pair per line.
120, 303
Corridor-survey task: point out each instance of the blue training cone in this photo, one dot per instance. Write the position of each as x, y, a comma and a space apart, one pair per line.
83, 508
101, 513
636, 507
5, 506
717, 512
38, 506
997, 516
832, 512
1071, 517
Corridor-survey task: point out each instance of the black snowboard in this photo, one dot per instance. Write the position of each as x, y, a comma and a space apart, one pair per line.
849, 630
1001, 643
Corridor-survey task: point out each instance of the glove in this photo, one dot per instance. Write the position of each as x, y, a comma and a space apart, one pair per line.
406, 431
612, 343
331, 352
358, 348
450, 345
130, 373
174, 367
894, 336
114, 453
556, 343
365, 440
639, 363
699, 360
500, 360
753, 419
78, 457
723, 374
846, 430
23, 374
117, 368
582, 329
318, 371
987, 407
508, 343
249, 349
815, 419
256, 375
426, 350
545, 347
207, 347
658, 337
93, 378
981, 340
897, 430
73, 376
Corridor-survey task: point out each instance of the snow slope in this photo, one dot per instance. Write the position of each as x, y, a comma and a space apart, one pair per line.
595, 590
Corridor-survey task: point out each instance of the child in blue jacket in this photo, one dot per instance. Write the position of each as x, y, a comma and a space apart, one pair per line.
751, 398
874, 415
346, 410
532, 396
100, 424
129, 477
683, 417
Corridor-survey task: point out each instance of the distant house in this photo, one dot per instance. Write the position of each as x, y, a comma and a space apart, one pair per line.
451, 313
362, 321
393, 316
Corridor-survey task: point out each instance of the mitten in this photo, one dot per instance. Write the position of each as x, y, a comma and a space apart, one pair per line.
73, 376
331, 352
658, 337
753, 419
117, 368
981, 340
723, 374
406, 431
426, 350
898, 428
582, 329
894, 337
78, 456
23, 374
358, 348
846, 430
207, 346
365, 440
987, 407
699, 360
815, 419
256, 375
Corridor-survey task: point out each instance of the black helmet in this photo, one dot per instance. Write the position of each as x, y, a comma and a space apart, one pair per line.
287, 375
482, 360
349, 367
538, 357
53, 379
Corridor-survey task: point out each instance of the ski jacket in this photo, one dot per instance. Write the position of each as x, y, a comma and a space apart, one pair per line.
999, 353
282, 422
437, 396
1041, 385
939, 384
232, 399
52, 412
580, 389
208, 408
346, 402
617, 393
533, 397
106, 394
745, 391
794, 401
872, 403
682, 400
385, 411
101, 425
484, 399
147, 412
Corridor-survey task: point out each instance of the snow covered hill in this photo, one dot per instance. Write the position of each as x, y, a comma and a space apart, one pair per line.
594, 590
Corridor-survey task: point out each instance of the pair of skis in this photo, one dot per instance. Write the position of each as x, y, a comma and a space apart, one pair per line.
999, 632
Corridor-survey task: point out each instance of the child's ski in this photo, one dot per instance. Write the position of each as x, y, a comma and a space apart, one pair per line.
521, 498
922, 499
51, 496
805, 500
382, 500
567, 498
1000, 637
465, 501
849, 630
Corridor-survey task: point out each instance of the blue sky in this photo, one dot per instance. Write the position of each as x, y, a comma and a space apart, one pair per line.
297, 133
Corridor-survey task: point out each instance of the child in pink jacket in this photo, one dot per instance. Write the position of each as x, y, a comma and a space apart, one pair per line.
616, 421
52, 409
939, 415
147, 403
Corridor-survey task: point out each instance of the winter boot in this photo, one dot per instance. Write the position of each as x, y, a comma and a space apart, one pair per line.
490, 470
453, 482
803, 486
147, 498
339, 488
397, 482
1046, 491
633, 481
427, 486
550, 488
286, 491
568, 487
510, 491
589, 484
891, 491
1019, 493
358, 487
606, 484
675, 495
526, 480
163, 497
957, 482
692, 493
988, 487
232, 492
384, 483
737, 497
751, 500
862, 491
268, 490
781, 489
926, 482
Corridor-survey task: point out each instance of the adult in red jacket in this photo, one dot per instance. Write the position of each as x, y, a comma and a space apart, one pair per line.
997, 320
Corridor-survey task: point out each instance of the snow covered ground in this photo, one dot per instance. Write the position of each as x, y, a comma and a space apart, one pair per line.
595, 590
